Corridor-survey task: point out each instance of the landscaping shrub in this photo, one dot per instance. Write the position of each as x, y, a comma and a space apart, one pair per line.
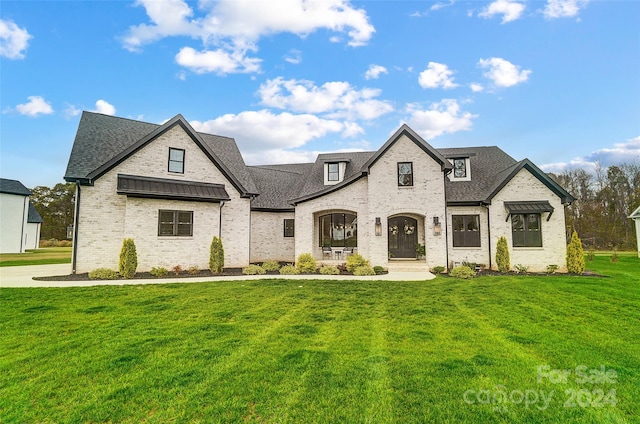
575, 255
470, 265
356, 260
216, 256
438, 269
289, 270
193, 270
614, 257
253, 270
128, 259
378, 269
329, 270
551, 269
159, 271
103, 274
502, 255
462, 272
306, 263
177, 269
521, 269
271, 265
55, 243
364, 270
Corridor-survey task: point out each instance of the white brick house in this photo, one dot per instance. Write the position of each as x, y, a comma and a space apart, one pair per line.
172, 189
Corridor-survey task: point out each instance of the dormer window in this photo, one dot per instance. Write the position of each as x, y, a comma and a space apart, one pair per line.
461, 170
176, 160
333, 171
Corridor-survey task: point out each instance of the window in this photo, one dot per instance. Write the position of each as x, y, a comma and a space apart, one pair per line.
338, 230
460, 168
333, 172
466, 230
405, 174
175, 223
176, 160
525, 229
289, 228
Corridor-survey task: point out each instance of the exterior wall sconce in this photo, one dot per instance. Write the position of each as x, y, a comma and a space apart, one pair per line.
378, 226
437, 228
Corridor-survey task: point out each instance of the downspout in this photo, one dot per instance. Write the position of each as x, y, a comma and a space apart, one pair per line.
76, 219
220, 223
446, 227
488, 232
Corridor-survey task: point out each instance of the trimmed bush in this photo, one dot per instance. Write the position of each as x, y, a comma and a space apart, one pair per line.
502, 255
521, 269
551, 269
216, 256
306, 263
364, 270
356, 260
103, 274
253, 270
329, 270
270, 265
462, 272
193, 270
159, 271
378, 269
128, 259
177, 269
575, 255
289, 270
438, 269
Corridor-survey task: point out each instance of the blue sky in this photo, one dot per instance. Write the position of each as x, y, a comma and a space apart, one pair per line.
554, 81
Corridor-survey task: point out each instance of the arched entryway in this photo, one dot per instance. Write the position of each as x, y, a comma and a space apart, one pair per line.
403, 237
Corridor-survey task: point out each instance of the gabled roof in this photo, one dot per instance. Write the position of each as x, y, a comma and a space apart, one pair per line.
506, 175
635, 214
413, 136
13, 187
33, 216
277, 184
103, 141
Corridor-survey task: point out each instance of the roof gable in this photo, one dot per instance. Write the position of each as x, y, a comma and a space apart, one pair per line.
445, 165
635, 214
13, 187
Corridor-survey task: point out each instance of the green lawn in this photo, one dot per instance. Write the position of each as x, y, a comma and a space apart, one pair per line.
291, 351
42, 256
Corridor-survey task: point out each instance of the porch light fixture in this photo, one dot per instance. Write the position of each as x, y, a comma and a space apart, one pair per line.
378, 226
437, 228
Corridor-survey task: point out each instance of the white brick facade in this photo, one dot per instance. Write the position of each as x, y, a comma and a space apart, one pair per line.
267, 237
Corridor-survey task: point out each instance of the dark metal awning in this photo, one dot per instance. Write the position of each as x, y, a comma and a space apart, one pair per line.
538, 206
163, 188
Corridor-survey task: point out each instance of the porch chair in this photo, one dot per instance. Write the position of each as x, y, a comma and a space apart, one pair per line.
326, 251
347, 251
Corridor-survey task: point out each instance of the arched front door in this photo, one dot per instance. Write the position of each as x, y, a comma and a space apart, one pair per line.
403, 237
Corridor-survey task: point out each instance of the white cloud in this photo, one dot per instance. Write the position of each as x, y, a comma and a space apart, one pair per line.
234, 27
476, 88
626, 152
436, 75
294, 57
71, 111
105, 108
442, 117
337, 99
218, 61
13, 40
563, 8
509, 9
503, 73
374, 71
258, 131
34, 107
442, 5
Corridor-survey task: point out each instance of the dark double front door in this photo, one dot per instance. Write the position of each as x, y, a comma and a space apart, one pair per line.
403, 237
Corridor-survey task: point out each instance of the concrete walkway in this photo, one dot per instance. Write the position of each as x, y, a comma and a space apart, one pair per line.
22, 276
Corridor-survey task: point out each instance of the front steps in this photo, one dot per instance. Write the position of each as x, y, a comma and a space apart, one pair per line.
407, 266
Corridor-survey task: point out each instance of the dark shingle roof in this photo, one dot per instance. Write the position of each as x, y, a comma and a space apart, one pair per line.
13, 187
101, 139
34, 217
278, 184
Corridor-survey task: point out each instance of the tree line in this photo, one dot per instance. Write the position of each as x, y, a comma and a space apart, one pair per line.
604, 200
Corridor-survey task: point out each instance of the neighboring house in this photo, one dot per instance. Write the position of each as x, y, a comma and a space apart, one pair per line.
636, 218
172, 189
20, 222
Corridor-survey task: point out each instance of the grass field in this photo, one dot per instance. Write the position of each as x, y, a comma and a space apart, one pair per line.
491, 349
42, 256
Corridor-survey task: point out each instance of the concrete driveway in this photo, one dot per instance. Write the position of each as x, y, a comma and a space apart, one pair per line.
22, 276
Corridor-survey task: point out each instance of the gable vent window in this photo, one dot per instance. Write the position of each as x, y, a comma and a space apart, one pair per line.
176, 160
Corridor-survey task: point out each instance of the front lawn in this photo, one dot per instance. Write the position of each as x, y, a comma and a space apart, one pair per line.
42, 256
557, 349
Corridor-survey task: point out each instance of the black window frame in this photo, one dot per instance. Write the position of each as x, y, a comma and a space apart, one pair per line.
173, 161
530, 233
336, 172
177, 226
329, 238
289, 225
402, 183
464, 235
464, 161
